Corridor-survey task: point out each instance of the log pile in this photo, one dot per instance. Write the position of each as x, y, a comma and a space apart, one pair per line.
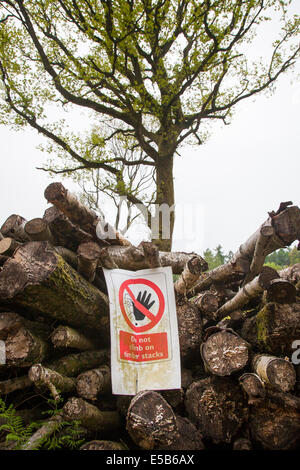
237, 325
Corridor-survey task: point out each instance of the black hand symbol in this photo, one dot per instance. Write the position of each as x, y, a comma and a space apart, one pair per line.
145, 302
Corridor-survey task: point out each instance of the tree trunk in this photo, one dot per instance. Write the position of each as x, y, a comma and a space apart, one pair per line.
39, 279
151, 421
162, 227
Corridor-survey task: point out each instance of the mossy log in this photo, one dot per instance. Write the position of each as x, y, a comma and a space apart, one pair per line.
40, 280
103, 445
250, 291
217, 407
82, 216
90, 416
151, 421
189, 330
14, 227
43, 377
38, 230
275, 427
68, 255
88, 257
67, 337
95, 382
253, 386
189, 437
25, 347
8, 246
17, 383
65, 233
190, 275
274, 328
73, 364
224, 353
275, 371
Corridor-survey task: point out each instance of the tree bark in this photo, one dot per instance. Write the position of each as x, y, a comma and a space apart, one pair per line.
67, 337
13, 227
8, 246
189, 330
25, 347
39, 279
55, 382
275, 371
274, 328
253, 386
90, 416
17, 383
151, 421
88, 257
81, 215
253, 289
74, 364
207, 303
224, 353
192, 270
291, 274
217, 408
38, 230
10, 322
92, 383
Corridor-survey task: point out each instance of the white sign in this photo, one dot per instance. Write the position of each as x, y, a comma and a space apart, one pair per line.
145, 351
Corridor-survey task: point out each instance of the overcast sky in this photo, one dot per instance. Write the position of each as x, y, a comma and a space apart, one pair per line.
224, 188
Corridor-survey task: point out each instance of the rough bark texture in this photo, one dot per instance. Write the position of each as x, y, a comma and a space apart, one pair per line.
17, 383
25, 347
74, 364
242, 444
291, 274
151, 254
43, 377
225, 353
189, 437
39, 279
67, 337
274, 328
253, 386
207, 302
90, 416
88, 257
189, 330
92, 383
14, 227
217, 407
150, 421
192, 270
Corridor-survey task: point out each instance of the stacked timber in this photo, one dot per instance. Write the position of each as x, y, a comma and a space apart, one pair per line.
238, 325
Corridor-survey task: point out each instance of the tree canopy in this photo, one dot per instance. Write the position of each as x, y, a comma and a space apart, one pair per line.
151, 72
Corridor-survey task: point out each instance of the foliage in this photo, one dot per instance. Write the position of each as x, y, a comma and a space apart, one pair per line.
153, 73
66, 434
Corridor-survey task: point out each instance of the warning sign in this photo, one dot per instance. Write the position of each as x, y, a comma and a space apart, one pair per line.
144, 333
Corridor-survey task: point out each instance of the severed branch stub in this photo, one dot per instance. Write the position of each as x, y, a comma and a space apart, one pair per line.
42, 376
190, 275
67, 337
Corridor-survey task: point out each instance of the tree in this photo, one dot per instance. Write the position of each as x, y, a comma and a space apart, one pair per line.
161, 68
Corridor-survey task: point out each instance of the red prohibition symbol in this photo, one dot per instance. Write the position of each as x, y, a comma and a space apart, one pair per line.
154, 319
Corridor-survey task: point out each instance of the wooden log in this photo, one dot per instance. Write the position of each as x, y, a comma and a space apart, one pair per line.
151, 254
88, 257
65, 233
286, 225
67, 337
73, 364
291, 274
235, 320
151, 421
253, 289
45, 431
274, 427
189, 437
92, 383
253, 386
90, 416
173, 397
284, 399
68, 255
13, 227
281, 291
39, 279
103, 445
274, 328
38, 230
8, 246
242, 444
207, 303
190, 275
43, 377
81, 215
217, 408
25, 347
224, 353
10, 322
266, 233
275, 371
189, 330
17, 383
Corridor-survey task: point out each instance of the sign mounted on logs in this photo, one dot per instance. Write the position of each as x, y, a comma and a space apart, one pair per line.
143, 327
